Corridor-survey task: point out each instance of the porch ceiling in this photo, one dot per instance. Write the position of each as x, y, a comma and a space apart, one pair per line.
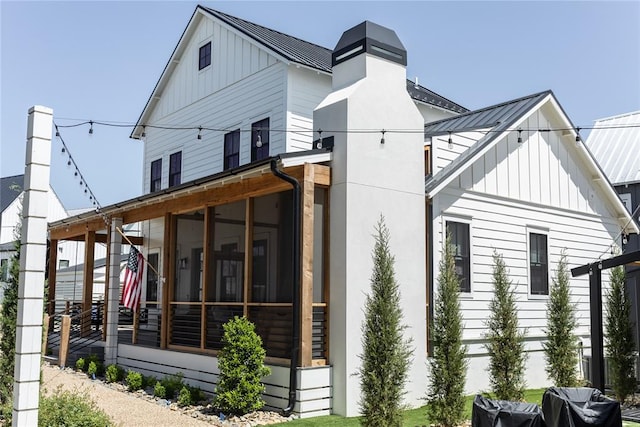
214, 190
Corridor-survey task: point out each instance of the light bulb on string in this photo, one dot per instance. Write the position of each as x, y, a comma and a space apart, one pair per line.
319, 145
200, 133
90, 127
259, 139
144, 133
63, 150
382, 139
450, 141
519, 136
69, 162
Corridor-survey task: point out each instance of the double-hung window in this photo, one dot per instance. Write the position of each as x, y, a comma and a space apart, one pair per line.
175, 168
232, 149
204, 56
538, 264
458, 233
260, 140
156, 175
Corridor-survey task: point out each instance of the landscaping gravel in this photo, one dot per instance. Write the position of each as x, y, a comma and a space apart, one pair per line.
142, 409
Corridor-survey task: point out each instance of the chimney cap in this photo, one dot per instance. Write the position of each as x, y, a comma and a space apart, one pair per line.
371, 38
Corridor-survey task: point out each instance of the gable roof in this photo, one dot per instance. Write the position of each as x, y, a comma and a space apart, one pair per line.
290, 48
498, 121
7, 191
615, 143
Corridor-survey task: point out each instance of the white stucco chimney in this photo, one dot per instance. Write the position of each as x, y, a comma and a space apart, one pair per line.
370, 178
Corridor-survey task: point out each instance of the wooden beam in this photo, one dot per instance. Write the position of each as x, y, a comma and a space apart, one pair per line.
168, 271
51, 280
306, 293
107, 270
67, 232
248, 254
605, 264
321, 174
103, 238
87, 288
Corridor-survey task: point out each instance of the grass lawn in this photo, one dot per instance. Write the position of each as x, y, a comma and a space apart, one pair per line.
412, 418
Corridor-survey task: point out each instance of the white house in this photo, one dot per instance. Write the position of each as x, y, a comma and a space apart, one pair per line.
267, 209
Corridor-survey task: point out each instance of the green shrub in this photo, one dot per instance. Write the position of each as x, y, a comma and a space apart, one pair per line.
92, 370
197, 395
114, 373
448, 364
134, 380
505, 340
159, 390
241, 364
184, 397
81, 364
620, 344
65, 408
386, 353
172, 384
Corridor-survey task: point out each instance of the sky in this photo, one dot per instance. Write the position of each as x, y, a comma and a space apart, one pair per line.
100, 61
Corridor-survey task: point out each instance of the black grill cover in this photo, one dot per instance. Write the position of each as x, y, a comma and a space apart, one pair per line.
579, 407
503, 413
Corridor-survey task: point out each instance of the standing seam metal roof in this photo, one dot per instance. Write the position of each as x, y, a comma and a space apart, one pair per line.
616, 147
499, 117
317, 57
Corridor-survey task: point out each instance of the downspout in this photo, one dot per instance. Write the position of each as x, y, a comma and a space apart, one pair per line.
295, 338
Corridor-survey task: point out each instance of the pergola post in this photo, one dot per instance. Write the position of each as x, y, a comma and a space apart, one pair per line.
53, 262
306, 294
597, 344
87, 288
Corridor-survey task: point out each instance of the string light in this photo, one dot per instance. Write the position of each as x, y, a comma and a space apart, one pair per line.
578, 139
259, 139
382, 139
450, 141
91, 127
199, 133
319, 145
519, 136
144, 133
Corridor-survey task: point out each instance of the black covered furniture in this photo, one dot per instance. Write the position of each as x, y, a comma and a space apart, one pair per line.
503, 413
579, 407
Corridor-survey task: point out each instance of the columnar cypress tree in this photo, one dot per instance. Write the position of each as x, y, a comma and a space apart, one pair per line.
386, 353
561, 348
448, 363
505, 341
620, 345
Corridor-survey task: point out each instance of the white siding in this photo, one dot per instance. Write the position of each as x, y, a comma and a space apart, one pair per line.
243, 84
443, 153
305, 90
235, 107
541, 170
584, 230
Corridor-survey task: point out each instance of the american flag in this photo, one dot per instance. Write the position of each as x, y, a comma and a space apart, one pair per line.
133, 279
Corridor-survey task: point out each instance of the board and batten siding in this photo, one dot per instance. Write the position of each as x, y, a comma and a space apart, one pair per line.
243, 84
513, 190
442, 154
306, 88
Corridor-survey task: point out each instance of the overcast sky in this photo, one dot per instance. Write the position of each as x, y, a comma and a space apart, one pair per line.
101, 60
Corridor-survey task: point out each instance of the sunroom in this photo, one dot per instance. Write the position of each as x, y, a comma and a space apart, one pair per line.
233, 243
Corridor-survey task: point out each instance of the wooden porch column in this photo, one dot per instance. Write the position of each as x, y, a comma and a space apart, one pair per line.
248, 254
168, 273
87, 288
53, 263
306, 294
113, 293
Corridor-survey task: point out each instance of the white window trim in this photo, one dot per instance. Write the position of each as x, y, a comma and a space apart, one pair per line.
197, 55
537, 230
464, 220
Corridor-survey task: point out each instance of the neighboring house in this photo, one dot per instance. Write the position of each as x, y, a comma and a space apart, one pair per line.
229, 236
615, 143
70, 253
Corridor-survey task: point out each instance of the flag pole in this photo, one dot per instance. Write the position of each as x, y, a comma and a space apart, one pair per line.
145, 258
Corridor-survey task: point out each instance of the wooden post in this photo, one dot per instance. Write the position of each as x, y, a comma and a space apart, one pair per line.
87, 288
136, 325
65, 329
306, 294
45, 333
168, 270
53, 262
107, 270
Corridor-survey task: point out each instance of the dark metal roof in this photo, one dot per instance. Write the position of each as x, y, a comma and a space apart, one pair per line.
7, 191
485, 117
499, 118
292, 48
317, 57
